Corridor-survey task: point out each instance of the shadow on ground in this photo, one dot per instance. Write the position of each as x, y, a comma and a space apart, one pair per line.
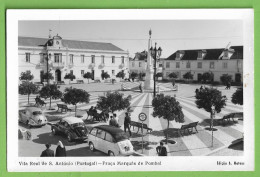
138, 145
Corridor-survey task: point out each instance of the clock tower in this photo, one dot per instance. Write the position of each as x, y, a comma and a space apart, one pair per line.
57, 41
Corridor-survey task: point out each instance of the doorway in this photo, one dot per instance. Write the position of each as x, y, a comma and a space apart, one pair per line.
93, 74
57, 75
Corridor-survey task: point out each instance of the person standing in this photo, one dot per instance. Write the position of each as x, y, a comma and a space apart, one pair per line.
161, 150
141, 87
60, 150
113, 122
47, 152
127, 122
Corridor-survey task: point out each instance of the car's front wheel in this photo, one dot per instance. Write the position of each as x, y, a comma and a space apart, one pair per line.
110, 153
91, 146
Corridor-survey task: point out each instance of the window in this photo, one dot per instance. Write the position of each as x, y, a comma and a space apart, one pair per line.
41, 58
92, 58
167, 64
177, 64
160, 65
109, 138
188, 64
225, 65
113, 72
199, 64
200, 55
123, 59
82, 72
101, 134
133, 64
82, 58
140, 64
27, 57
211, 65
71, 58
57, 58
93, 131
71, 71
178, 55
226, 54
113, 59
102, 59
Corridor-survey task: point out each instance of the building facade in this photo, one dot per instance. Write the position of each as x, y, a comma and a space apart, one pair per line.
70, 56
139, 63
217, 61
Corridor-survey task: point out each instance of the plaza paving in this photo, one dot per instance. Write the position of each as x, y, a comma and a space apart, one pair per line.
198, 144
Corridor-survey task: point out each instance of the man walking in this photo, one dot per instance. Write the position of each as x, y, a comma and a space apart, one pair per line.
127, 123
47, 152
161, 150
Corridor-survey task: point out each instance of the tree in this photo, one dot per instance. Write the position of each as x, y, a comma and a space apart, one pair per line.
158, 75
188, 76
48, 76
133, 75
74, 96
141, 75
50, 91
113, 101
237, 97
28, 88
208, 97
88, 76
120, 74
173, 75
70, 76
105, 75
26, 76
168, 108
225, 79
207, 77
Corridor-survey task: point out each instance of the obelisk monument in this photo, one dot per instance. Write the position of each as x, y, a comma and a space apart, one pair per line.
149, 82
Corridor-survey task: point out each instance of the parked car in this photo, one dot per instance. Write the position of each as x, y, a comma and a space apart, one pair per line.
72, 127
32, 116
110, 140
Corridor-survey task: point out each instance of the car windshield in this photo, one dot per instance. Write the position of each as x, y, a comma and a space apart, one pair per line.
37, 113
120, 137
79, 124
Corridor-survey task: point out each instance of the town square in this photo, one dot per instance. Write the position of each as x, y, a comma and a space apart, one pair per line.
165, 96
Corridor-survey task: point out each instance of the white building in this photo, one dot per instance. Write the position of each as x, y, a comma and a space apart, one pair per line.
66, 56
218, 61
139, 63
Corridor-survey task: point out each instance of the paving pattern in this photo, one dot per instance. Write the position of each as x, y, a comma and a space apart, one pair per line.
198, 144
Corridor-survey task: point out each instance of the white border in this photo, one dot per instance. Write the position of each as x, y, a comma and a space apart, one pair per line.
205, 163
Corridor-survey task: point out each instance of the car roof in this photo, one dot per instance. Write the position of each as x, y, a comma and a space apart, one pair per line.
110, 129
72, 120
33, 109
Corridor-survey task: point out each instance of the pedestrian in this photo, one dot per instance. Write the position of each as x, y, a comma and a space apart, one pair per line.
201, 87
197, 91
90, 112
161, 150
116, 119
60, 150
127, 122
113, 122
47, 152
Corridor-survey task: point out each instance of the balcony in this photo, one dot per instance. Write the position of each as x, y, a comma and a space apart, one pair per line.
91, 66
102, 65
41, 65
58, 65
70, 65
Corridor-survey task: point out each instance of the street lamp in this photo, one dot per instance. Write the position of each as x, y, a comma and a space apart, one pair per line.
155, 53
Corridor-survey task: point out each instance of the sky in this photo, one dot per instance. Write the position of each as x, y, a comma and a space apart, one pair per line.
133, 35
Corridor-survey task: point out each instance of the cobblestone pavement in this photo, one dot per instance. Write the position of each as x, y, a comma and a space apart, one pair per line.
197, 144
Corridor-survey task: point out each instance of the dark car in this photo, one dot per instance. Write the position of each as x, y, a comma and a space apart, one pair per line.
72, 127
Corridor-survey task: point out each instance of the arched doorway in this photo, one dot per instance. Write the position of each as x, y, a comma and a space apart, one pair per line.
57, 75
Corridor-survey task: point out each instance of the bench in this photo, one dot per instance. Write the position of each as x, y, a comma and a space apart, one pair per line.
80, 82
107, 80
61, 82
97, 81
39, 102
38, 83
139, 125
188, 128
230, 118
63, 107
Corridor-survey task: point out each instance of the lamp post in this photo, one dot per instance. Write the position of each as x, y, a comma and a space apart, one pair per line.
155, 53
212, 123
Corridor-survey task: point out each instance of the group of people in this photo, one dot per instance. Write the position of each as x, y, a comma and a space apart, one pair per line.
228, 85
60, 151
114, 122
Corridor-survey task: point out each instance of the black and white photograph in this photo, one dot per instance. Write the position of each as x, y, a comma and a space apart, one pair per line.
117, 89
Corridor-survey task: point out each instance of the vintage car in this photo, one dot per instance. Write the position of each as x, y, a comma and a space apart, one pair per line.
110, 140
32, 116
72, 127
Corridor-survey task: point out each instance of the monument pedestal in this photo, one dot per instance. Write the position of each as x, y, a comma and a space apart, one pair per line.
149, 82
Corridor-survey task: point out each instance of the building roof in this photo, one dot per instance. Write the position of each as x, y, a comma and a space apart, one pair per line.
141, 55
210, 54
73, 44
72, 120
